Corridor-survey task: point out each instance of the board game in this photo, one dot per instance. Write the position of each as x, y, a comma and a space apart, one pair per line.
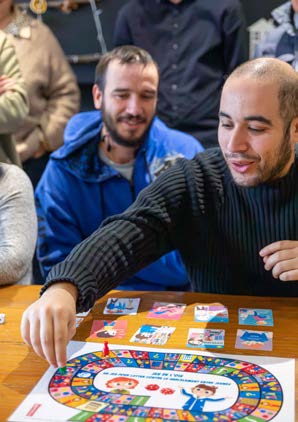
141, 384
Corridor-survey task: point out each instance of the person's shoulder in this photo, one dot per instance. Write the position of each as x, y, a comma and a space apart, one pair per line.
10, 174
162, 135
40, 26
281, 14
211, 156
80, 129
231, 3
208, 164
211, 162
219, 6
82, 124
209, 171
133, 4
132, 9
42, 32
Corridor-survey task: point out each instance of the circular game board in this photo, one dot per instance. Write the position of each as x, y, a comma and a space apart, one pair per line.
259, 398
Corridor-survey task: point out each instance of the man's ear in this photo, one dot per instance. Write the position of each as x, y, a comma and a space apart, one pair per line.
294, 130
97, 96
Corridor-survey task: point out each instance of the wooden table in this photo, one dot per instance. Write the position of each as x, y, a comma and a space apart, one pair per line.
20, 368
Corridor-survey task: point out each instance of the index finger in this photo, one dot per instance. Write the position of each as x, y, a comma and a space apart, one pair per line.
61, 338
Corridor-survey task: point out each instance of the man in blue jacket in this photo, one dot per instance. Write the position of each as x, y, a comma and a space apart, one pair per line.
107, 158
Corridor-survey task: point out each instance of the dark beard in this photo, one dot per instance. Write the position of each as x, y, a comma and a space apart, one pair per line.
118, 139
268, 176
285, 153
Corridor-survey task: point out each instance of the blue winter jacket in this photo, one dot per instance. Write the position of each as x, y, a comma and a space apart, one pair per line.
78, 191
282, 41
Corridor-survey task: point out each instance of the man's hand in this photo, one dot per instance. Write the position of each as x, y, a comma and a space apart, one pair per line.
50, 322
282, 259
6, 84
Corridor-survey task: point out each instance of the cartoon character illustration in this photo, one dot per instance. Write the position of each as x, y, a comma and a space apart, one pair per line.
255, 316
129, 304
168, 308
195, 341
200, 395
260, 318
108, 330
122, 385
106, 333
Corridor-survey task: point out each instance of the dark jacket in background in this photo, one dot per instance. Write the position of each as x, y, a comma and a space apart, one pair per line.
196, 44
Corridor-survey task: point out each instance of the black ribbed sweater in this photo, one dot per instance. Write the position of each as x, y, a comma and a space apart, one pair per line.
218, 227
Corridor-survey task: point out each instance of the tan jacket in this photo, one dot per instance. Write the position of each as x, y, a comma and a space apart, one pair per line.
51, 85
13, 103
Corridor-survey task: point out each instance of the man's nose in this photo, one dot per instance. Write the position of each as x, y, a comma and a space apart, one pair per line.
237, 140
134, 106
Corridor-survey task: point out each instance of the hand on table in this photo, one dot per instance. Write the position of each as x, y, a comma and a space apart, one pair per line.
50, 322
282, 259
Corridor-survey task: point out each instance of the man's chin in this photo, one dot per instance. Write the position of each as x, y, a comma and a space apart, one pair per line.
129, 141
245, 181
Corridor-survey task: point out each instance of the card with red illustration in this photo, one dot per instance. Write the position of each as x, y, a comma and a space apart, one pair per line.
108, 329
166, 310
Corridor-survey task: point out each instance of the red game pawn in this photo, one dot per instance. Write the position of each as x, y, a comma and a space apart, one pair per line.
105, 350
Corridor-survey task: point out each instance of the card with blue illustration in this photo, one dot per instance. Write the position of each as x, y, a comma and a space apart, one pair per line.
259, 317
211, 312
256, 340
121, 306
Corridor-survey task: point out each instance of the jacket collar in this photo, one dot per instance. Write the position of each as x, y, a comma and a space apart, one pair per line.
21, 25
284, 16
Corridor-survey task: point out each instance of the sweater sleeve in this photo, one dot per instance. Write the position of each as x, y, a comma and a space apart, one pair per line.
127, 242
62, 94
18, 225
13, 103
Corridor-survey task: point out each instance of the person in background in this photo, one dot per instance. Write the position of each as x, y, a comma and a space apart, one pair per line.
18, 225
107, 158
51, 85
13, 100
282, 41
196, 44
231, 212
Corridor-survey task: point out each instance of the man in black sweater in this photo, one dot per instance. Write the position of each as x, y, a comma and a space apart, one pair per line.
231, 212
